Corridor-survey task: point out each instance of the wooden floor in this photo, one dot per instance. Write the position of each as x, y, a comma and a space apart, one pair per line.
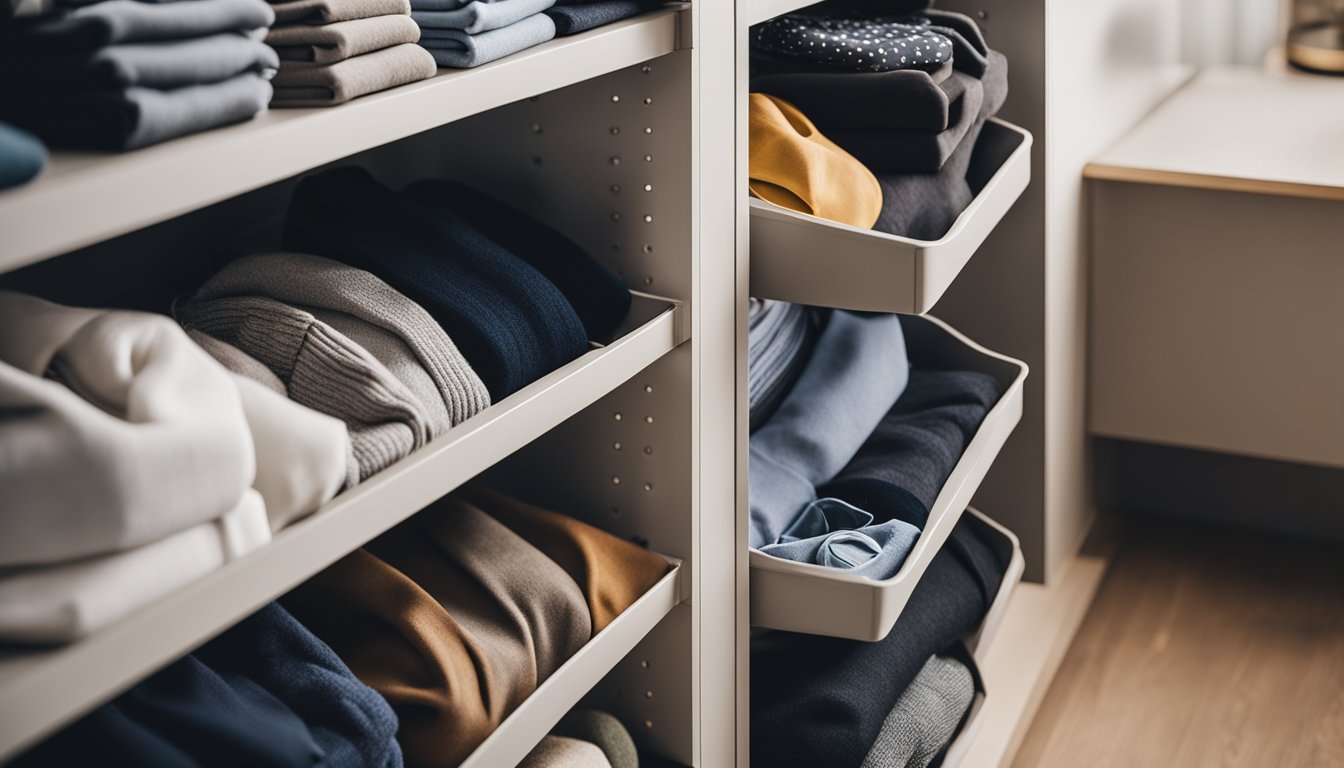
1203, 649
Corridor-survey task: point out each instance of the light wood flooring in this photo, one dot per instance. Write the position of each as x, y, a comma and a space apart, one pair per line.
1203, 648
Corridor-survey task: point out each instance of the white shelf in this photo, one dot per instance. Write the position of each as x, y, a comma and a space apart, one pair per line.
539, 713
40, 690
816, 600
980, 642
86, 198
807, 260
764, 10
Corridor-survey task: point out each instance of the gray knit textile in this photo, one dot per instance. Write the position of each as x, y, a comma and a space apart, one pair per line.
604, 730
330, 43
925, 718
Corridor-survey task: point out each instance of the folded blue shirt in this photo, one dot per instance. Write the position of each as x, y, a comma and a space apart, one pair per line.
836, 534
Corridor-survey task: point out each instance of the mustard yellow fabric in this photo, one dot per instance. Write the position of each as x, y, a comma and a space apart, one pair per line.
795, 167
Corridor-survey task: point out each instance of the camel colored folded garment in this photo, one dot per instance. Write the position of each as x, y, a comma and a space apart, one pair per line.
62, 603
612, 572
456, 634
795, 167
147, 438
330, 43
330, 11
299, 84
564, 752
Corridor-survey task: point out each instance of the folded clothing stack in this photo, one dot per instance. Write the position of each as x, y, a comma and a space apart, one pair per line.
906, 98
164, 466
332, 51
458, 615
574, 16
122, 74
267, 692
847, 469
468, 33
898, 701
585, 738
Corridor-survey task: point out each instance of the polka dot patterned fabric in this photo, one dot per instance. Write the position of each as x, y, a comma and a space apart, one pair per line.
856, 45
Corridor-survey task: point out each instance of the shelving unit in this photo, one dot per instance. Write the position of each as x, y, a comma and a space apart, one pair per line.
816, 600
807, 260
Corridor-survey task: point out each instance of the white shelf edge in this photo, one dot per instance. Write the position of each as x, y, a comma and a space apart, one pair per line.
538, 714
119, 193
979, 643
42, 689
764, 10
793, 596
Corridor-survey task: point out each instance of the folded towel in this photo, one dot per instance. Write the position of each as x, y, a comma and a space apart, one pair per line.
562, 752
329, 11
853, 44
598, 297
926, 717
161, 64
856, 373
338, 41
477, 16
134, 117
512, 324
795, 167
612, 572
901, 468
571, 19
22, 156
830, 707
65, 602
301, 84
780, 339
131, 21
147, 437
603, 730
459, 50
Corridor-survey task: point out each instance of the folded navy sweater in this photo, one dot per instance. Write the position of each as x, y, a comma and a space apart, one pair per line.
512, 324
573, 18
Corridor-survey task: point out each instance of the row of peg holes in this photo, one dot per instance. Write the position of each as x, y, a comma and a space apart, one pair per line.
618, 446
648, 693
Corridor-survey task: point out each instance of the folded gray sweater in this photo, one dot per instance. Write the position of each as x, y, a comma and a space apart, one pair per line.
330, 43
926, 717
162, 64
131, 21
304, 84
328, 11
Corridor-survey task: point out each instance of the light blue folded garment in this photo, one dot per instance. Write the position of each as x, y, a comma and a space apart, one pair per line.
22, 156
476, 17
853, 378
455, 48
835, 534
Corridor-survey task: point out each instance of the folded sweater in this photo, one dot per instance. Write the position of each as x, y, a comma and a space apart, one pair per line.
563, 752
305, 84
160, 64
328, 11
853, 44
130, 21
341, 40
895, 150
901, 99
459, 50
573, 18
22, 156
926, 717
147, 438
511, 323
856, 373
603, 730
477, 16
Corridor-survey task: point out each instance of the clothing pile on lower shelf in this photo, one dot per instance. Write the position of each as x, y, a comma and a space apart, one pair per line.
332, 51
849, 446
896, 702
298, 375
412, 649
871, 119
122, 74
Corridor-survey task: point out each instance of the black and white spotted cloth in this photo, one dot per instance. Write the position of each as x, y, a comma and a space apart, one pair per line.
856, 45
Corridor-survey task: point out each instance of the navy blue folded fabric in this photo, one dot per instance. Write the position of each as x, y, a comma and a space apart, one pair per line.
900, 469
351, 722
511, 323
827, 698
22, 156
581, 17
598, 297
185, 715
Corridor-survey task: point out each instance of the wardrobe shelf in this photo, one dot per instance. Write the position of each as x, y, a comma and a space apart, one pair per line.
980, 642
86, 198
816, 600
807, 260
764, 10
539, 713
42, 689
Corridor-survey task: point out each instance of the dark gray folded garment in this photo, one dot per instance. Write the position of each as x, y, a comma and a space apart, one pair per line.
900, 469
329, 11
924, 206
131, 21
163, 64
780, 338
129, 118
903, 99
22, 156
303, 84
853, 44
887, 150
341, 40
476, 17
457, 49
970, 52
927, 716
571, 19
